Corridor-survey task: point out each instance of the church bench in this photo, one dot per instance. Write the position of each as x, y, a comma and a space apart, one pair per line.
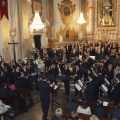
12, 102
80, 116
25, 92
93, 105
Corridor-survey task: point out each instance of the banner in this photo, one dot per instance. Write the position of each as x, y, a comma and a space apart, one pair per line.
3, 9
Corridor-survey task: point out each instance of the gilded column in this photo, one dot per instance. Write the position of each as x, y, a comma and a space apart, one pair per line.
50, 17
118, 19
25, 31
90, 21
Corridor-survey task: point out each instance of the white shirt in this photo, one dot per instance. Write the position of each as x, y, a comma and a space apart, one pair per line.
84, 111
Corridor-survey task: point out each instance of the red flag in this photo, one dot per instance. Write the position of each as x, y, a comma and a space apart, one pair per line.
3, 9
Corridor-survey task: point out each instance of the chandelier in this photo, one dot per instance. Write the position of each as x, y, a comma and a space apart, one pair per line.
81, 19
37, 23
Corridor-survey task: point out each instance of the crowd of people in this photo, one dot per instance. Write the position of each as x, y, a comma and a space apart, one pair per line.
93, 68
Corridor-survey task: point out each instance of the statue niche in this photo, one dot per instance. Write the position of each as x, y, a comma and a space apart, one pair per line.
106, 13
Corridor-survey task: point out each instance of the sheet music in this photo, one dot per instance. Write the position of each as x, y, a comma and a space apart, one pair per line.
80, 83
78, 87
105, 103
55, 86
105, 88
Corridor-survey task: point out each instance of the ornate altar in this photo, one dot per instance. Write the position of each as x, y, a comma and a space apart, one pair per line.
67, 9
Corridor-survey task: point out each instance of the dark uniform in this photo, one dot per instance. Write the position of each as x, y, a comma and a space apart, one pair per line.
44, 89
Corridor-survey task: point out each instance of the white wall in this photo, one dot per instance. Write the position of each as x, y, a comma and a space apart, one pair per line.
57, 18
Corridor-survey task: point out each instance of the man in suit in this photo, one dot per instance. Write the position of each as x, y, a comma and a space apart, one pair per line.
66, 74
77, 72
116, 90
100, 110
92, 89
116, 112
44, 90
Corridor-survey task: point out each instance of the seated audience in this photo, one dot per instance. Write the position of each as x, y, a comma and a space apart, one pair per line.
84, 108
59, 115
100, 110
6, 109
93, 117
71, 106
74, 115
20, 99
3, 90
116, 112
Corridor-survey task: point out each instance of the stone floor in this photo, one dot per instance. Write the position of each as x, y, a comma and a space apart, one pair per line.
35, 113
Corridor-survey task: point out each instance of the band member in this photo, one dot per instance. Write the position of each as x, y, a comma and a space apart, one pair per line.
53, 73
116, 90
92, 90
77, 73
38, 54
66, 74
108, 61
63, 61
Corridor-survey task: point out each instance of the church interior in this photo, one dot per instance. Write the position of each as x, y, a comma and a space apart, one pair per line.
59, 59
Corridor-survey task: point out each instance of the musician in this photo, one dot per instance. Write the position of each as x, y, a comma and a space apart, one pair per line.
92, 89
47, 59
63, 61
66, 74
113, 54
108, 61
117, 70
38, 54
77, 73
97, 54
88, 60
82, 86
109, 73
53, 73
116, 90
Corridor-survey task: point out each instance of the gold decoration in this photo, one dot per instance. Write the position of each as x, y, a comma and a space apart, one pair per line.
25, 33
107, 13
66, 10
36, 6
6, 38
68, 34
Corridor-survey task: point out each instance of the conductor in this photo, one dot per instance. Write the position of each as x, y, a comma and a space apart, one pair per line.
44, 90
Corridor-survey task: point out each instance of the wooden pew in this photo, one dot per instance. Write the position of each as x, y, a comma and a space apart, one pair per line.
80, 116
25, 92
12, 102
93, 105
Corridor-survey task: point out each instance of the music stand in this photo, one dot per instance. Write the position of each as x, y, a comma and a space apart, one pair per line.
52, 98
